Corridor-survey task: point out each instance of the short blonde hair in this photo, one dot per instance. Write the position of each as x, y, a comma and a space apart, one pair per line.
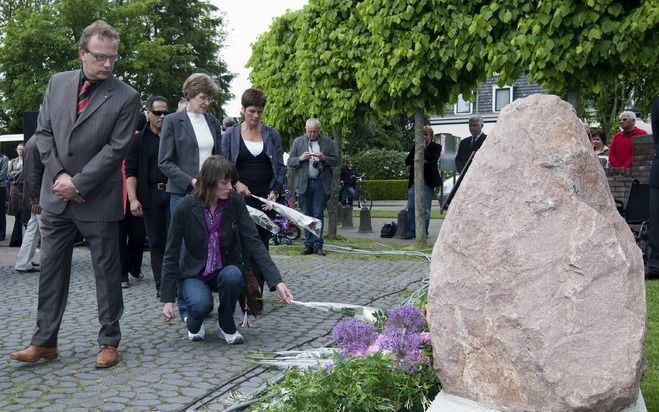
199, 83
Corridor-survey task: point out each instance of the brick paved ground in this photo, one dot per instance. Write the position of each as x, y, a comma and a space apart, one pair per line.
159, 368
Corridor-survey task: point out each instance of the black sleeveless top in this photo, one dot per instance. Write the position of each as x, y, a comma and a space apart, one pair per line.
255, 172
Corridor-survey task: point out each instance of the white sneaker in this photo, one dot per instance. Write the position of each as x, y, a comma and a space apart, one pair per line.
196, 337
231, 338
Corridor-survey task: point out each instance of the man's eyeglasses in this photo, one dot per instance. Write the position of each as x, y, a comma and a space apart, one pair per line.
101, 58
159, 113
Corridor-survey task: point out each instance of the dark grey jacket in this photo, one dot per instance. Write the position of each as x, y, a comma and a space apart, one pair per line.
178, 154
301, 145
189, 227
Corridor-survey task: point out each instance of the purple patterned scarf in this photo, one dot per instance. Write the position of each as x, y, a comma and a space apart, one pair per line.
215, 242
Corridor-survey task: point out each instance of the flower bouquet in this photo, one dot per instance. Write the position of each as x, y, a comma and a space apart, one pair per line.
262, 220
384, 366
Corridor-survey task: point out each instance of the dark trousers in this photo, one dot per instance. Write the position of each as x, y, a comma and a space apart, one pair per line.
156, 223
653, 235
131, 241
16, 239
57, 234
3, 214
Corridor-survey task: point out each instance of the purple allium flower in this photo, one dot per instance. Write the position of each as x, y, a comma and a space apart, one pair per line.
353, 337
407, 318
425, 338
404, 348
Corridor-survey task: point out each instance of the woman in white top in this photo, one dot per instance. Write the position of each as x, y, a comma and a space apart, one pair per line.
189, 137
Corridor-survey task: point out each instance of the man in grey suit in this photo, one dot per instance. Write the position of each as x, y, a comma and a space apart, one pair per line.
84, 128
313, 156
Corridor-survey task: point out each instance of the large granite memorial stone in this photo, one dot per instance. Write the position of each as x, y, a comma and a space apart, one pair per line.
537, 299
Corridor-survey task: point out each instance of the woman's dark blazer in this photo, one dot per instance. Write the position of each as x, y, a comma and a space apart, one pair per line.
189, 227
178, 153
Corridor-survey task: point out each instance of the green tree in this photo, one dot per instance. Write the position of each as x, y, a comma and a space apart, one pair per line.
305, 66
415, 58
575, 48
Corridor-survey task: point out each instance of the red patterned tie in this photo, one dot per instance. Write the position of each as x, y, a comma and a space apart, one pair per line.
83, 96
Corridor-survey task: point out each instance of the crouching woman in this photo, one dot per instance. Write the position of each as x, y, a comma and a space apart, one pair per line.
210, 236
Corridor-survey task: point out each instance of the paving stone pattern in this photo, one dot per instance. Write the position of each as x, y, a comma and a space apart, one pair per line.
159, 368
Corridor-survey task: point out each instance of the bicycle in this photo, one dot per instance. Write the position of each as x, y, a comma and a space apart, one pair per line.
288, 231
362, 195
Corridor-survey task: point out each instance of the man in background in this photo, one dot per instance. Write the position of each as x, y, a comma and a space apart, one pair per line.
620, 150
146, 184
471, 144
32, 175
313, 156
4, 165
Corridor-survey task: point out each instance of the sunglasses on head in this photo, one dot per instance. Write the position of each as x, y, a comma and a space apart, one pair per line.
159, 113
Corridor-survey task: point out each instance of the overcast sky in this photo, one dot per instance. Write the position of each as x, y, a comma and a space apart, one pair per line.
245, 21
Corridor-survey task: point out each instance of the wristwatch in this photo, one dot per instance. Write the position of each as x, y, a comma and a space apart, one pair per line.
76, 190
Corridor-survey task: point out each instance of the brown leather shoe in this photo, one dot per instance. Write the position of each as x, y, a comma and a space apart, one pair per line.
107, 356
33, 353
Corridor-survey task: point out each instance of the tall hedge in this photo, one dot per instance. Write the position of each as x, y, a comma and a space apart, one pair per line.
380, 164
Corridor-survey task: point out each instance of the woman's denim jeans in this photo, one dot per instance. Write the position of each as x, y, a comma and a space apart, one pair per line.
199, 298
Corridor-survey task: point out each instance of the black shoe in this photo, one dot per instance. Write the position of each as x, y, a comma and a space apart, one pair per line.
319, 251
30, 270
139, 276
651, 274
408, 237
307, 250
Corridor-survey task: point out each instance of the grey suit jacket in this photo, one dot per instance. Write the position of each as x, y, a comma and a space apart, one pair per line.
301, 145
89, 148
178, 153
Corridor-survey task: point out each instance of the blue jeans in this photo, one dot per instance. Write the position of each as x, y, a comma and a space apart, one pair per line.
350, 194
427, 204
199, 298
313, 204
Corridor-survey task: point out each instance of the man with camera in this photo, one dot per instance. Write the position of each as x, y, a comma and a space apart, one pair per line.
312, 157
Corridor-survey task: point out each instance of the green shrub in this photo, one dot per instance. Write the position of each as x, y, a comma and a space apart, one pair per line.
387, 189
380, 164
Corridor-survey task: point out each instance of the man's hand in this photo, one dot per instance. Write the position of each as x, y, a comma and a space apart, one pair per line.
305, 156
64, 188
35, 209
319, 155
136, 208
242, 189
168, 312
284, 294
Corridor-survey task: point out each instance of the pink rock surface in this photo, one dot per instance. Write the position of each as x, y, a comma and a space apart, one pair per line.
537, 296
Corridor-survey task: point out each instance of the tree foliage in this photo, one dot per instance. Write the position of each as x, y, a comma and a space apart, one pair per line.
161, 43
586, 46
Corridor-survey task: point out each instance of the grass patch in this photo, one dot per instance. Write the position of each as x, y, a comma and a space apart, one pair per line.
356, 243
650, 381
393, 214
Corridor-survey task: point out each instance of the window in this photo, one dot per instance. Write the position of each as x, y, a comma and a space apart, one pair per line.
501, 96
462, 106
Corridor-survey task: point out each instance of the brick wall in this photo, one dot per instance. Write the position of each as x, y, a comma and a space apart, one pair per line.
620, 180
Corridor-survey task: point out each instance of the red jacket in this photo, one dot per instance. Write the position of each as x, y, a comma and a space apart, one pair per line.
620, 150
